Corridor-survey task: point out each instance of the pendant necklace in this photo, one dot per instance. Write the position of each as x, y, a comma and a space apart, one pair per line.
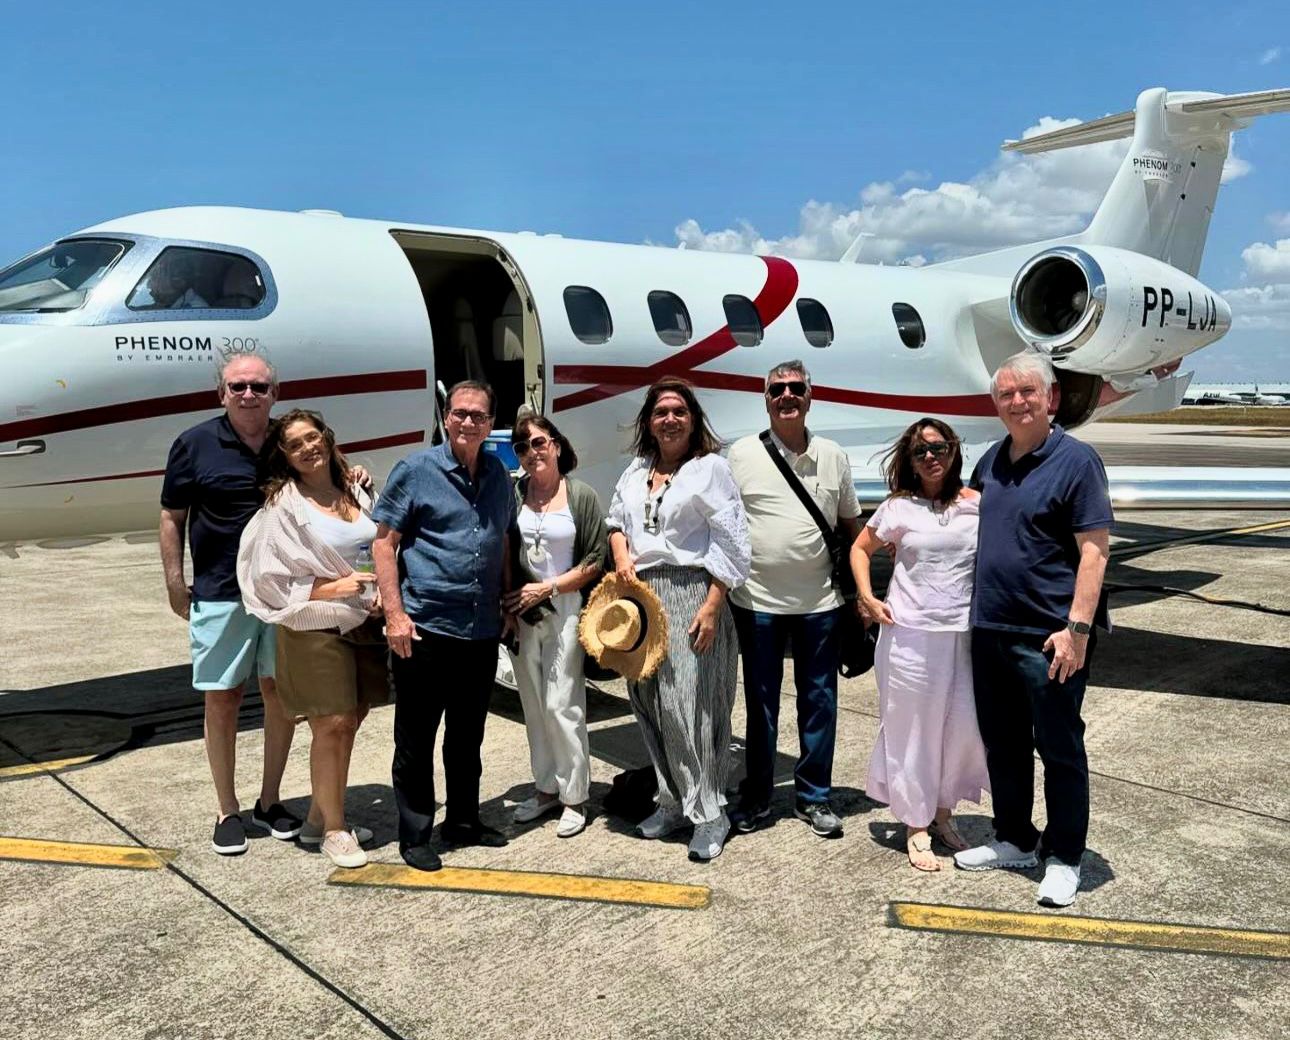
536, 553
654, 505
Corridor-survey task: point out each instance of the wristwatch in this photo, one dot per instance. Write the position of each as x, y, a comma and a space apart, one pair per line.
1080, 628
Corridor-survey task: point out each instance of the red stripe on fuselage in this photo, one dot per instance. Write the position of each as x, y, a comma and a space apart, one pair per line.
374, 444
204, 400
775, 296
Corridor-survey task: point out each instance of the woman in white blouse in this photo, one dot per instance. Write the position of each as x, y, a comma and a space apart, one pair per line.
928, 755
677, 522
298, 567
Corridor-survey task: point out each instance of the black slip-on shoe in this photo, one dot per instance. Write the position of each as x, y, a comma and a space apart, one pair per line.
420, 857
471, 834
229, 838
276, 820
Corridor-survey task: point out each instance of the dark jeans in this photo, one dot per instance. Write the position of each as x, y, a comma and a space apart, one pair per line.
1020, 710
815, 671
444, 678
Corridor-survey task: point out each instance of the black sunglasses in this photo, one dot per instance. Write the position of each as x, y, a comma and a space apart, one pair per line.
537, 443
936, 448
240, 387
796, 387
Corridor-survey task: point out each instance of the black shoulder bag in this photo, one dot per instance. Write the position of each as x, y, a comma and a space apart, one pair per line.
855, 641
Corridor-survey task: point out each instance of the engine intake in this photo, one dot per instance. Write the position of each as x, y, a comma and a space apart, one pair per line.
1109, 311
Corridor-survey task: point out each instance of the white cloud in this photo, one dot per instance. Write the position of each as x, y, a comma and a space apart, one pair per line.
1015, 199
1268, 262
1279, 221
1260, 306
1270, 55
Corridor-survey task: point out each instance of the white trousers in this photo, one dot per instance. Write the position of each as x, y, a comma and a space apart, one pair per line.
553, 693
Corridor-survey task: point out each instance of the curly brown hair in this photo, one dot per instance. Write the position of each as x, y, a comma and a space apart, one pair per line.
703, 441
275, 470
898, 463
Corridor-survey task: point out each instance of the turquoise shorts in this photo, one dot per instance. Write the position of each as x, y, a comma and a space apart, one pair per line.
226, 642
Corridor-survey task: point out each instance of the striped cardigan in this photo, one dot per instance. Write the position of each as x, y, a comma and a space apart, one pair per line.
278, 559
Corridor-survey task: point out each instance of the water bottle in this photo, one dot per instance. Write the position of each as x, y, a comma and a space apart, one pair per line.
364, 564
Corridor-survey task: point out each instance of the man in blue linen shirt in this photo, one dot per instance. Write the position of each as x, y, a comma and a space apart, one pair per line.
1041, 556
442, 565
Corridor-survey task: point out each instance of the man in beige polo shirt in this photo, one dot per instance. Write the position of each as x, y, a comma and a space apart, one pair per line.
790, 595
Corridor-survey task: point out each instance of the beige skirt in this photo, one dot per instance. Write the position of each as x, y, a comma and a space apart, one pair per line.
326, 673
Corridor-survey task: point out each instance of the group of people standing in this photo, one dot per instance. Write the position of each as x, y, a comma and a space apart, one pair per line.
983, 654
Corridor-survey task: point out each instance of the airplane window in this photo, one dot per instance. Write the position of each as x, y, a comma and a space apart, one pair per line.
588, 314
183, 278
909, 325
742, 319
816, 324
671, 318
59, 278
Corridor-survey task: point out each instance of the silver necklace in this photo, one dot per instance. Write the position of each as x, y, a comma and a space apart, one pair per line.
536, 553
942, 514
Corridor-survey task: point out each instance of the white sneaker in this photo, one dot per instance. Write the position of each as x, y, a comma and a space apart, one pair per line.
661, 822
1061, 882
572, 821
343, 849
310, 836
998, 855
709, 839
531, 808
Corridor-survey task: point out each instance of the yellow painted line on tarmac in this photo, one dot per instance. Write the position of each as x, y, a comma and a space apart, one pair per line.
535, 884
32, 768
81, 854
1096, 931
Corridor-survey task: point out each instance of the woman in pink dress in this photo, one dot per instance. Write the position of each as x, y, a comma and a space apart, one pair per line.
929, 754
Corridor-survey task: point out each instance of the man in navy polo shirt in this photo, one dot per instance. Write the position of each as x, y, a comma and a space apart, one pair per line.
444, 519
210, 488
1041, 555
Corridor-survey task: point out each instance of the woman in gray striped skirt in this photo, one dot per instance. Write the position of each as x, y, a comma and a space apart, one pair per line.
677, 522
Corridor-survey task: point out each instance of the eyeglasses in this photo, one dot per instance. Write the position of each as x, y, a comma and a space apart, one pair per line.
539, 443
937, 449
241, 387
461, 415
796, 387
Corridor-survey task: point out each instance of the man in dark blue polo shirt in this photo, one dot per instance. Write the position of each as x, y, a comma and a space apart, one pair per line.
1041, 555
445, 517
210, 488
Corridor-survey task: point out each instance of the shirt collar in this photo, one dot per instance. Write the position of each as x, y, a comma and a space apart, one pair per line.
1055, 434
228, 436
786, 450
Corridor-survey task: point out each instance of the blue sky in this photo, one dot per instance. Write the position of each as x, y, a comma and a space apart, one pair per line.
717, 124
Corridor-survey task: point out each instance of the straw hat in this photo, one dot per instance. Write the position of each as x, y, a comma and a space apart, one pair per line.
624, 628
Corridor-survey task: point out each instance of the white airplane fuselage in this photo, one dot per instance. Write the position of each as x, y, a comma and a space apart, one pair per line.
353, 332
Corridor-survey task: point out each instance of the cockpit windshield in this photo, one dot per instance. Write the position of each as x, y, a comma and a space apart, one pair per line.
58, 278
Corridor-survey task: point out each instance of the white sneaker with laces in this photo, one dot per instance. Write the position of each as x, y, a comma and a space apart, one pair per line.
661, 822
1061, 882
709, 839
532, 808
343, 849
572, 821
997, 855
310, 836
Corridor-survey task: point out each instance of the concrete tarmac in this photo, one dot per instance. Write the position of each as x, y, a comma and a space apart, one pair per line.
1151, 444
1188, 721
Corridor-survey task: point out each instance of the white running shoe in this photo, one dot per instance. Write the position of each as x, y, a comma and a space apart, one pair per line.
661, 822
343, 849
997, 855
709, 839
1061, 882
572, 821
532, 808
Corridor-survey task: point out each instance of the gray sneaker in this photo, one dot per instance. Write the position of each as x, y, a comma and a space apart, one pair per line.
820, 815
661, 822
709, 839
997, 855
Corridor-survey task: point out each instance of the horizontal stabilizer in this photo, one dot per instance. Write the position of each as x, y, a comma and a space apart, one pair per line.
1229, 112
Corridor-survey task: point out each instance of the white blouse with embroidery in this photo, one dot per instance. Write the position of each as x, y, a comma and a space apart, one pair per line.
700, 519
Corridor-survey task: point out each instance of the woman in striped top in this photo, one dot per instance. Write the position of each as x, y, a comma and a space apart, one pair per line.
299, 567
677, 519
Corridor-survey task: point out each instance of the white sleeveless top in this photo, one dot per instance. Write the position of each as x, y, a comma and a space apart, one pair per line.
345, 536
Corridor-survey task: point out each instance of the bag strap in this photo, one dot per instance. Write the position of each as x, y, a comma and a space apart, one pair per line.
804, 496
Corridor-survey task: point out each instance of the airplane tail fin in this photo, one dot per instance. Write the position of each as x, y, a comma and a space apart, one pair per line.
1162, 198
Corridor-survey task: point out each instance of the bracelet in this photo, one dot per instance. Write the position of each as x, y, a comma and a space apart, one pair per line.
552, 589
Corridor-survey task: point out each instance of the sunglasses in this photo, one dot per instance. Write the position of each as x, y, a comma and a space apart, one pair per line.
796, 387
538, 443
937, 449
242, 386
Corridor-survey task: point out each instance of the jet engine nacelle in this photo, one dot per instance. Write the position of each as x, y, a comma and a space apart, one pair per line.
1109, 311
